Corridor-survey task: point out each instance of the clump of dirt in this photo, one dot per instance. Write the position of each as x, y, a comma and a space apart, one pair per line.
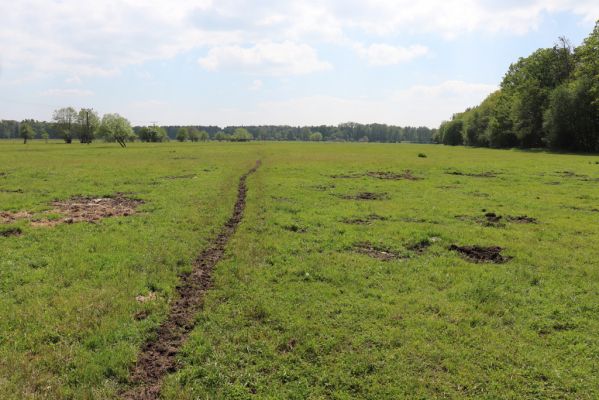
479, 254
7, 217
522, 219
346, 176
367, 220
407, 174
366, 196
378, 252
488, 174
11, 190
90, 209
11, 232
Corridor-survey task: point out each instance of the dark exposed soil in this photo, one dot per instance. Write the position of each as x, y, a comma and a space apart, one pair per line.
367, 220
11, 190
420, 247
407, 174
366, 196
378, 252
324, 188
480, 254
522, 219
157, 356
474, 175
11, 232
89, 209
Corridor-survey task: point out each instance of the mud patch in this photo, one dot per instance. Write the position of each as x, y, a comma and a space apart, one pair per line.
421, 246
366, 196
11, 232
378, 252
158, 355
407, 175
522, 219
480, 254
89, 209
489, 174
367, 220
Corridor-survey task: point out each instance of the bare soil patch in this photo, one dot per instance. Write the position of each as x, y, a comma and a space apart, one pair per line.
158, 355
11, 232
479, 254
367, 220
489, 174
407, 175
173, 177
366, 196
522, 219
7, 217
90, 209
378, 252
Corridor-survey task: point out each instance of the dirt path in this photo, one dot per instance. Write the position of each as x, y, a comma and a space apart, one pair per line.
157, 357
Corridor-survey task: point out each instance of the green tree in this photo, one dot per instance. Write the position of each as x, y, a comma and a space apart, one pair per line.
26, 132
451, 132
182, 134
241, 135
152, 134
115, 128
44, 135
194, 134
64, 120
87, 125
316, 137
220, 136
203, 136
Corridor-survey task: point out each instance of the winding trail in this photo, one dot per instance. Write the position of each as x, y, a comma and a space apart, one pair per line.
157, 356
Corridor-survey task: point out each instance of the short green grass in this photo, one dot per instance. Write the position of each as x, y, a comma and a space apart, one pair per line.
296, 313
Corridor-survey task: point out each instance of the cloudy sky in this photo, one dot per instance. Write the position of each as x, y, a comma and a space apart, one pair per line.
405, 62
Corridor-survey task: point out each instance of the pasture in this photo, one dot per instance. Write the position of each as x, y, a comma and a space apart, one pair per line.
358, 271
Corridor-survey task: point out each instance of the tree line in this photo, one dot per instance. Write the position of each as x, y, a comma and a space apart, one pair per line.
549, 99
86, 126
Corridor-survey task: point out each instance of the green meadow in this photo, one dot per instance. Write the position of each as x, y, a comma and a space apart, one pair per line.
338, 284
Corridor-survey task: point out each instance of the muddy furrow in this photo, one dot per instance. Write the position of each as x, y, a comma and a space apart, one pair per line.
157, 356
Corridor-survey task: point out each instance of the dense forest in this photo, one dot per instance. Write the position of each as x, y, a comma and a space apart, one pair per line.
548, 99
354, 132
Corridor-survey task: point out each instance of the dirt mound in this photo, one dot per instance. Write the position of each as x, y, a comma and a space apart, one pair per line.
11, 232
89, 209
473, 174
480, 254
422, 246
378, 252
366, 196
367, 220
158, 356
407, 174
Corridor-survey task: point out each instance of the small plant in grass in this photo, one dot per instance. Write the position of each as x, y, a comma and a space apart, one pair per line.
421, 155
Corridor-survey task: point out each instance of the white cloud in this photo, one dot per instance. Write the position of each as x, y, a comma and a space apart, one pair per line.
285, 58
67, 93
99, 38
380, 54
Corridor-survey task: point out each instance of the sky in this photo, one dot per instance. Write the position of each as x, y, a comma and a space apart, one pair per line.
233, 62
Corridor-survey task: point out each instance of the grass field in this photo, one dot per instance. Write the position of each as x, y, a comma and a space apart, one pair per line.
321, 295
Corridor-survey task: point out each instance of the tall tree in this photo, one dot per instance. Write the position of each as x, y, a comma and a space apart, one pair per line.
26, 132
65, 119
88, 123
115, 128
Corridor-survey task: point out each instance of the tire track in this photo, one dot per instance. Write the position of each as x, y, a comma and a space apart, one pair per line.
157, 356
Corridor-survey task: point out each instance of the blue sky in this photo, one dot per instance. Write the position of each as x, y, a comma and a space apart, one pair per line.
233, 62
